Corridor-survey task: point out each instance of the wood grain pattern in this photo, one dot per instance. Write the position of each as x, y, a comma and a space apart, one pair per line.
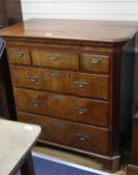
73, 108
94, 92
81, 84
90, 85
80, 30
77, 135
18, 56
95, 63
55, 59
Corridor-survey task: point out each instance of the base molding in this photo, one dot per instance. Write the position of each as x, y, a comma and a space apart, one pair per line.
132, 169
110, 164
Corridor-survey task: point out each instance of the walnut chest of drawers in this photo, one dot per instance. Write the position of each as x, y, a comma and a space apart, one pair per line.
66, 76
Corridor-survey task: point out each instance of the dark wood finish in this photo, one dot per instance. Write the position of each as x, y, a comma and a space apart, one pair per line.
3, 14
132, 169
27, 168
14, 11
6, 95
93, 86
10, 12
134, 152
3, 99
133, 164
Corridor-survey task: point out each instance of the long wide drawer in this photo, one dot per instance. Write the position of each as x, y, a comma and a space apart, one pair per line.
70, 134
61, 106
82, 84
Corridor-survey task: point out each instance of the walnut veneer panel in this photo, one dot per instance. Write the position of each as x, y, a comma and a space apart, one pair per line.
52, 59
61, 106
90, 85
82, 84
95, 63
72, 134
74, 30
66, 76
19, 56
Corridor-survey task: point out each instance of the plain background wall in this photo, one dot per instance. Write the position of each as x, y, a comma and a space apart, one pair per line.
124, 10
81, 9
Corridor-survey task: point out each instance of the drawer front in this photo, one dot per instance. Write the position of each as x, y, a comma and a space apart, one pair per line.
37, 78
55, 59
70, 134
58, 81
94, 63
61, 106
81, 84
28, 77
89, 85
19, 56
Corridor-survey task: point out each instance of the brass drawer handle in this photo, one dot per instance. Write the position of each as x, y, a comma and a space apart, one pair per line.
54, 57
82, 136
81, 110
57, 98
34, 78
36, 102
94, 60
18, 53
55, 74
80, 84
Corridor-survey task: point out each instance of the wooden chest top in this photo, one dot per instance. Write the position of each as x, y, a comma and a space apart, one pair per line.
85, 30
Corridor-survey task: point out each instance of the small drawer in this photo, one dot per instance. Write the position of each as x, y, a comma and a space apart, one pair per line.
94, 63
64, 107
67, 133
28, 77
19, 56
54, 59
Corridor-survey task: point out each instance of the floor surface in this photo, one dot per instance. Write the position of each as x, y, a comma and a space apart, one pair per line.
73, 158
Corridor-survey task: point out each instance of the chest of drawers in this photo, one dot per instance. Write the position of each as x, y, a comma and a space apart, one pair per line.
66, 77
